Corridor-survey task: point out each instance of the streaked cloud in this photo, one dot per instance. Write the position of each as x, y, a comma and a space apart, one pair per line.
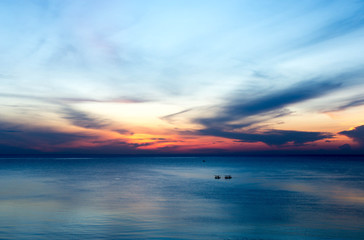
347, 103
270, 137
241, 107
82, 119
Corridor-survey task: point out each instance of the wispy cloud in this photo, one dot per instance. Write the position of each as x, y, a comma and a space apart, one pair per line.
239, 107
345, 23
64, 100
348, 103
81, 119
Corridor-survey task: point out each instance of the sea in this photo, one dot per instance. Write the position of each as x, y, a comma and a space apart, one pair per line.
270, 198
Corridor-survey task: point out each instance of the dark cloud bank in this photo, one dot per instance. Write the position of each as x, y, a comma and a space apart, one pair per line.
22, 139
357, 134
270, 137
237, 117
268, 106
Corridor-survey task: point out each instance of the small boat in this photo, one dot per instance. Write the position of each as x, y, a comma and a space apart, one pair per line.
217, 177
228, 177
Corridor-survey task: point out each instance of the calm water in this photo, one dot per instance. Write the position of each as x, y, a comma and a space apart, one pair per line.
178, 198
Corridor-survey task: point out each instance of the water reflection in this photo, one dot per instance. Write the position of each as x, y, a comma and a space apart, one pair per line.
179, 198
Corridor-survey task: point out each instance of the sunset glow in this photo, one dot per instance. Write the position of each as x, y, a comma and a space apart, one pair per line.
182, 77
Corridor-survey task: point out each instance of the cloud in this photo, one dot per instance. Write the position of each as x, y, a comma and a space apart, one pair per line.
67, 100
114, 100
271, 103
82, 119
345, 147
109, 147
339, 27
234, 118
267, 105
6, 149
123, 131
63, 107
357, 134
269, 137
160, 139
25, 139
354, 102
171, 117
85, 120
22, 139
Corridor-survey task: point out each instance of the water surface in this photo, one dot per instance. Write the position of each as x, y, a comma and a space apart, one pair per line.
178, 198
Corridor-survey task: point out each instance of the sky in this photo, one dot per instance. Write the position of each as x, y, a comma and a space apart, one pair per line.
181, 77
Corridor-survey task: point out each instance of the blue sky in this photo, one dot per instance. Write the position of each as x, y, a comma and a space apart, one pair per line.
230, 70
